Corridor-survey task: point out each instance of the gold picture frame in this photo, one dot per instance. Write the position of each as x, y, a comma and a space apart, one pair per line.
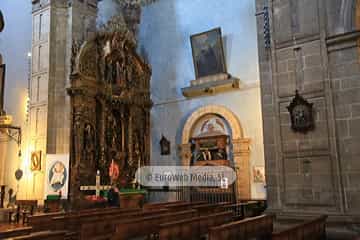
35, 163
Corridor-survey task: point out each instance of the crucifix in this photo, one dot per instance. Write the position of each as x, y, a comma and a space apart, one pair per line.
98, 187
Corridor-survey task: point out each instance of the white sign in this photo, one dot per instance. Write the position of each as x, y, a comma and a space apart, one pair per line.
6, 120
57, 175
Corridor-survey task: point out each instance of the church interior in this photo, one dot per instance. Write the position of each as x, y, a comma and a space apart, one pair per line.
180, 119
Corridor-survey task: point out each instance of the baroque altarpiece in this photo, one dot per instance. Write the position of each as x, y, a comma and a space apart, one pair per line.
110, 101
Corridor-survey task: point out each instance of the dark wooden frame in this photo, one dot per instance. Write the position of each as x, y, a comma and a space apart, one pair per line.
165, 146
297, 101
221, 49
2, 22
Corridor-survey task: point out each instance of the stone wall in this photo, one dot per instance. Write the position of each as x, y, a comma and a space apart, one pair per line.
313, 50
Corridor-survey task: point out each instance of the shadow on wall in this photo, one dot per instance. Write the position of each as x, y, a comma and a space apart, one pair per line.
160, 30
106, 10
152, 26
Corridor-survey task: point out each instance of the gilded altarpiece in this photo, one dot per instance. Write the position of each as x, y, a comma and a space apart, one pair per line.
110, 101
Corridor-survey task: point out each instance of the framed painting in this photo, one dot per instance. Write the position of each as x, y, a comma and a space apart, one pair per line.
259, 174
208, 53
35, 161
57, 175
165, 146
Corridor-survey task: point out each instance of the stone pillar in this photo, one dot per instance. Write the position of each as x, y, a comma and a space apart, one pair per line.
241, 151
185, 161
185, 154
3, 151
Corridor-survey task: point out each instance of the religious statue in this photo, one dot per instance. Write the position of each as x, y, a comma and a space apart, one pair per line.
12, 199
89, 145
204, 155
220, 154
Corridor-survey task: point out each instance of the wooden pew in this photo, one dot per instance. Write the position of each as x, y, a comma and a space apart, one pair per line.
99, 223
25, 209
149, 225
46, 235
183, 206
206, 209
71, 221
314, 229
239, 209
44, 221
41, 222
160, 205
258, 228
15, 232
193, 228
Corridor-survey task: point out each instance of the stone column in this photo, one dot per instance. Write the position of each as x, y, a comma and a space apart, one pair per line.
241, 151
3, 151
185, 154
185, 161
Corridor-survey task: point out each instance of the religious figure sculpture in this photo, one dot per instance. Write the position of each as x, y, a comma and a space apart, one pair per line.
89, 145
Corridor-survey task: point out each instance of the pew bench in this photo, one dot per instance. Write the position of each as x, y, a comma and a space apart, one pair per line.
41, 222
314, 229
160, 205
260, 227
193, 228
206, 209
149, 225
15, 232
184, 206
71, 221
46, 235
99, 225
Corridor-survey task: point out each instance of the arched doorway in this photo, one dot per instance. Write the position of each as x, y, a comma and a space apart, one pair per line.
229, 127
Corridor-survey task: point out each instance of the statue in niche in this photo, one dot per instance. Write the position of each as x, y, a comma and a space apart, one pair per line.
89, 145
115, 69
204, 155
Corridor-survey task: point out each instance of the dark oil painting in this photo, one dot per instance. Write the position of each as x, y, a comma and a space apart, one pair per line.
208, 53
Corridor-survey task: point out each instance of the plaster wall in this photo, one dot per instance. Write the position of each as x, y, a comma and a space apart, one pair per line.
164, 40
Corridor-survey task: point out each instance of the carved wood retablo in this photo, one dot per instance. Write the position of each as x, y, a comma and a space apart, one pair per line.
110, 100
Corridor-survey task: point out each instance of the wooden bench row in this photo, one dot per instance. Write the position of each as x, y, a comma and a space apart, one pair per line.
261, 227
98, 222
314, 229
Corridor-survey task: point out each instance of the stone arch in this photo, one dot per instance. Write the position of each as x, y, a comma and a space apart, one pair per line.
230, 117
241, 145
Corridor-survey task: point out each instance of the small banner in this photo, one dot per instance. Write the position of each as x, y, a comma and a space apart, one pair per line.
57, 175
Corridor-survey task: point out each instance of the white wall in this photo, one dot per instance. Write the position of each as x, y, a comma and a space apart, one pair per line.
15, 43
164, 40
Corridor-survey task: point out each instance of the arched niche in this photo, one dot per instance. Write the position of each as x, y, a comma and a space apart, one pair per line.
240, 145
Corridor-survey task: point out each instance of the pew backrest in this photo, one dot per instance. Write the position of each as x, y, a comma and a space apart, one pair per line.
42, 222
192, 228
46, 235
15, 232
259, 227
314, 229
160, 204
145, 226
